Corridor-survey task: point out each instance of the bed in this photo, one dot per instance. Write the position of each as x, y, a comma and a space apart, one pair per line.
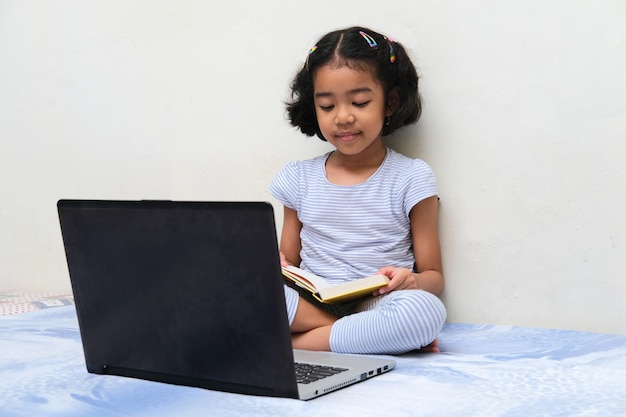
483, 370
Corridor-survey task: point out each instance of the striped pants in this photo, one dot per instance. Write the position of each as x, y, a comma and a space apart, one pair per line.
394, 323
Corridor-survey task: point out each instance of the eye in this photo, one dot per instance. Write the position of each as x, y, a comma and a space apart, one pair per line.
362, 103
326, 108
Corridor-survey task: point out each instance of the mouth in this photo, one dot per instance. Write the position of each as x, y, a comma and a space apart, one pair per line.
347, 136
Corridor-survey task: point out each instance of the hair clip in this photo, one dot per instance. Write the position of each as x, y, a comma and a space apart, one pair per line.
370, 41
392, 54
313, 49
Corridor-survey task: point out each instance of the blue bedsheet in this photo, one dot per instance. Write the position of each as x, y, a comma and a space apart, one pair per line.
482, 371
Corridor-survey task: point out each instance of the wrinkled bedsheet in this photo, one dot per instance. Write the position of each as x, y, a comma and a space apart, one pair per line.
483, 370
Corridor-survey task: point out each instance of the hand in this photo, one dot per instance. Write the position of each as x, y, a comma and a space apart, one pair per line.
400, 279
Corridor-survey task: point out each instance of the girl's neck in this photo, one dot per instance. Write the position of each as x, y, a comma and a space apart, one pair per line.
345, 169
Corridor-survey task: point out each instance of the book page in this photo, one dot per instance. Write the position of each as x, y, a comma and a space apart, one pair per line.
316, 282
353, 289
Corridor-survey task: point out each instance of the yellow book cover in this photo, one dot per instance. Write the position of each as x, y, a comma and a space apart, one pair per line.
331, 294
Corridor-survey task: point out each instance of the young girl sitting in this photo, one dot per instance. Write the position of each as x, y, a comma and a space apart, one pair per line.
362, 208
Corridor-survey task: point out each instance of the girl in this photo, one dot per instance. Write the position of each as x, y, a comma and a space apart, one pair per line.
362, 208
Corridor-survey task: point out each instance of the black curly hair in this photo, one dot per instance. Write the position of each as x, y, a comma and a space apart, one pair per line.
361, 49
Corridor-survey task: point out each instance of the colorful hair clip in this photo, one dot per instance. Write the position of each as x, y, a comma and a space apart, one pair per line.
392, 54
313, 49
370, 41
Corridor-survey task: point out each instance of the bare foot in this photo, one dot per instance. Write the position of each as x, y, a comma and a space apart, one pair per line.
433, 347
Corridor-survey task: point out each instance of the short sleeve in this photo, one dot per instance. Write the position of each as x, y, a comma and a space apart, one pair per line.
420, 184
285, 185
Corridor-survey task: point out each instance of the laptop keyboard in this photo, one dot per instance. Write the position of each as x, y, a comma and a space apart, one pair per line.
307, 373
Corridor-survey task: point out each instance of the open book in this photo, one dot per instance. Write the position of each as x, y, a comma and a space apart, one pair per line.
328, 293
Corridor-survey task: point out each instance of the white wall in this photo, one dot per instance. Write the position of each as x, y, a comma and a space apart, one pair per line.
524, 123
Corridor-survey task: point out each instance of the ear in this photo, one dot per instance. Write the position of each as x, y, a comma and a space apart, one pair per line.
393, 101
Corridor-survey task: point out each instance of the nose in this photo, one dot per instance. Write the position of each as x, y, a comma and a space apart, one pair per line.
343, 115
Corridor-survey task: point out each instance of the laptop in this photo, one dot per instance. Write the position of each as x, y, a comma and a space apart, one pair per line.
191, 293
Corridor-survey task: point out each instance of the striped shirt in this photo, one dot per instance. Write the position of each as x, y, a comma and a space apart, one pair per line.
349, 232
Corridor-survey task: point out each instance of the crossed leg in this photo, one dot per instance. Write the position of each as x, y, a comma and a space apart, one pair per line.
403, 320
311, 327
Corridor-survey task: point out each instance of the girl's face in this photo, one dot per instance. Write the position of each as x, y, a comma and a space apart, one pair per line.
350, 106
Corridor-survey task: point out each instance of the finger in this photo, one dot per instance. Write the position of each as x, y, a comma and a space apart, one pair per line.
387, 271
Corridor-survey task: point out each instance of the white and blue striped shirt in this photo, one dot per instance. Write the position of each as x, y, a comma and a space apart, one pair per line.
349, 232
